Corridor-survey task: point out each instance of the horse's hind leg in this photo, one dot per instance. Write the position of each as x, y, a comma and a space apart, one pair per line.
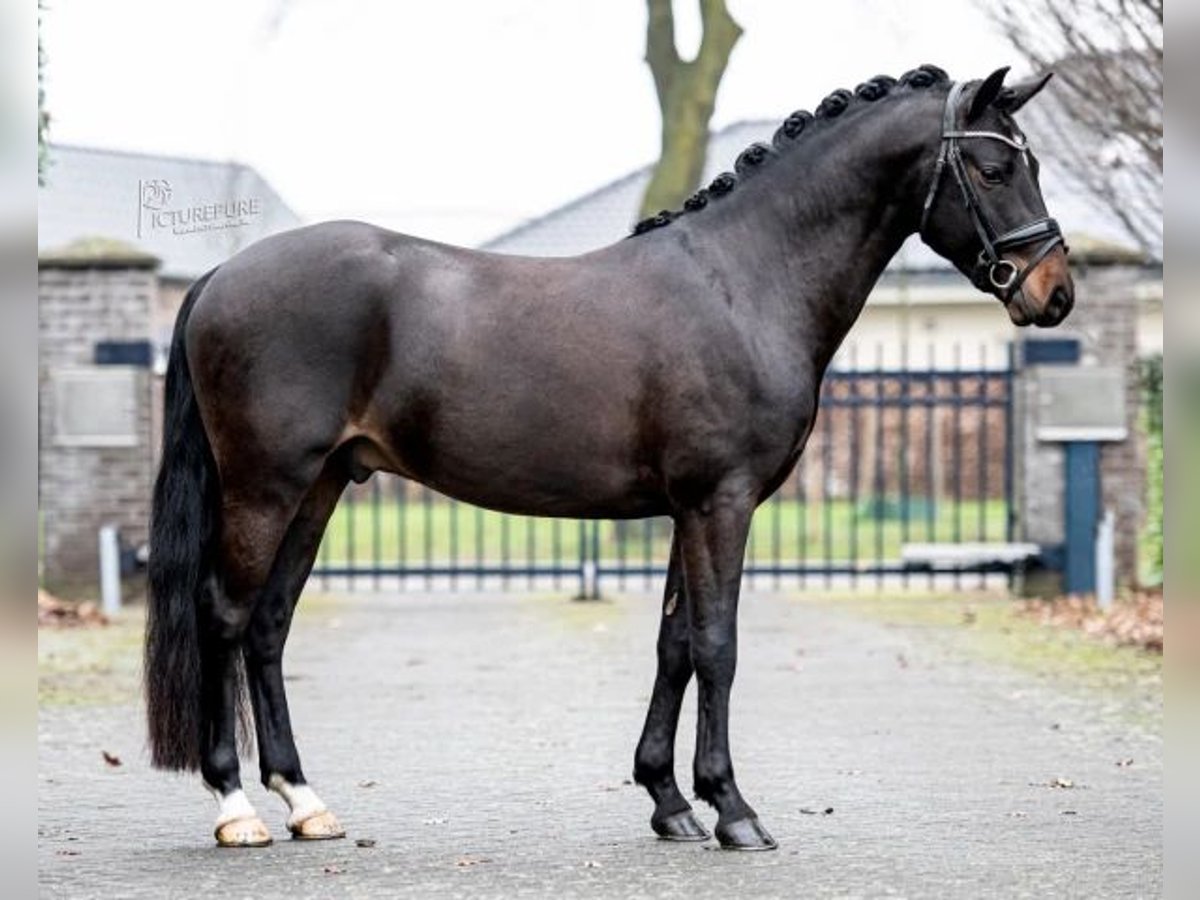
254, 521
279, 761
654, 761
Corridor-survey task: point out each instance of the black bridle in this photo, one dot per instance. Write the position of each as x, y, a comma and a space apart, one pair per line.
1001, 274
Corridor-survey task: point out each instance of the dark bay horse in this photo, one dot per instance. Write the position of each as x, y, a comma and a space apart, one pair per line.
672, 373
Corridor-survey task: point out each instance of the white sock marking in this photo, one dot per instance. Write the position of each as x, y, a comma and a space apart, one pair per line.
234, 805
300, 798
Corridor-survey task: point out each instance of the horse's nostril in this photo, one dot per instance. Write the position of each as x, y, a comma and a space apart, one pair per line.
1059, 303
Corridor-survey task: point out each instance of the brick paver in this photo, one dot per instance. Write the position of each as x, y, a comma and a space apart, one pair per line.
484, 742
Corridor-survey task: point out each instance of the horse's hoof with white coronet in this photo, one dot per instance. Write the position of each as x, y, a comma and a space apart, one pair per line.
248, 831
322, 826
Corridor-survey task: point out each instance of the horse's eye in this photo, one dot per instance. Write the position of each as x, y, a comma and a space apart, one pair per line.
991, 175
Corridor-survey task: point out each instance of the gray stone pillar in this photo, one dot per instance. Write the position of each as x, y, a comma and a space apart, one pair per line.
94, 421
1104, 321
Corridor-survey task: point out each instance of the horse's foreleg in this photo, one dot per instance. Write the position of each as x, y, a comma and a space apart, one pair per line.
654, 761
279, 761
712, 545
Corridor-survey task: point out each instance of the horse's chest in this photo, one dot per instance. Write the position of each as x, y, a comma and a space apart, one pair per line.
784, 438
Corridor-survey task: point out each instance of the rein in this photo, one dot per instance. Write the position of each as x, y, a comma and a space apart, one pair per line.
1002, 274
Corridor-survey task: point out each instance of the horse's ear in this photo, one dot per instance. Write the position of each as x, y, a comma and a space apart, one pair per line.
987, 91
1017, 95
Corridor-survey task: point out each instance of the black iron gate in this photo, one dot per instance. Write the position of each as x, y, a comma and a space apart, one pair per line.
897, 456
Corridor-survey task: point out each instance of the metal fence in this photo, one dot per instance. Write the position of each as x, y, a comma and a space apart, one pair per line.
897, 456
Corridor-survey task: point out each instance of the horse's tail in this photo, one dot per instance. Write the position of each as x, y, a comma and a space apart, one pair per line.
184, 532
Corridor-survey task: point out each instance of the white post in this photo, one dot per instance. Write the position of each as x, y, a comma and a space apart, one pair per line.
1105, 562
110, 570
591, 583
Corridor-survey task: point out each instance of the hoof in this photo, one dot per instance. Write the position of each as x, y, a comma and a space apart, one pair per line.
682, 826
248, 831
745, 834
322, 826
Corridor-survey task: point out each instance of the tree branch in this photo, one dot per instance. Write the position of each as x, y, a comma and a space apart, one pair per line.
721, 32
661, 55
1105, 113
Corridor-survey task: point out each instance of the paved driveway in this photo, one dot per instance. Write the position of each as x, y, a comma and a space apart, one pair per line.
483, 744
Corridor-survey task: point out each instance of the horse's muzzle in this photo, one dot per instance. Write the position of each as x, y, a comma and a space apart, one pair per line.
1045, 296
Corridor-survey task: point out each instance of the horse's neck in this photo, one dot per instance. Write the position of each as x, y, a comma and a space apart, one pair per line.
814, 233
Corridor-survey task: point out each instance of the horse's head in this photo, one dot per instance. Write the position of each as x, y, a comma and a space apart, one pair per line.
984, 210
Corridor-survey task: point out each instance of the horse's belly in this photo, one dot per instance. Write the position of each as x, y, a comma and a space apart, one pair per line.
555, 503
509, 486
529, 469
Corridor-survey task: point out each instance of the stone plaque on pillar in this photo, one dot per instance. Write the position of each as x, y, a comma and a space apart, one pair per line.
96, 406
1080, 404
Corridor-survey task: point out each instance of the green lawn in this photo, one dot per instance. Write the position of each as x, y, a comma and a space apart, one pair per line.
387, 532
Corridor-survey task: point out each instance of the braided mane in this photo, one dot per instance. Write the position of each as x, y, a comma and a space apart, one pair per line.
758, 155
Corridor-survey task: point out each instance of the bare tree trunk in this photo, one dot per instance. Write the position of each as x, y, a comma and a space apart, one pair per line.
687, 93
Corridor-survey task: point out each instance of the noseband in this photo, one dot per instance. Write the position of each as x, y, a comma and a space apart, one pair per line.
1002, 274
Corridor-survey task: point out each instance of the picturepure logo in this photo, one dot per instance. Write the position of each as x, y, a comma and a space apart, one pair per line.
156, 213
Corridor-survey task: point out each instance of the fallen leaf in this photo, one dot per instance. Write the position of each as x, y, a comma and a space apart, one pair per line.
111, 758
61, 613
1135, 621
465, 862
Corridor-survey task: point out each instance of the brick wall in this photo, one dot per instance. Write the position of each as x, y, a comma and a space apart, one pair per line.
81, 488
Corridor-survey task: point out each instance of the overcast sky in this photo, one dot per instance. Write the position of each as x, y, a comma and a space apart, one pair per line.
454, 119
